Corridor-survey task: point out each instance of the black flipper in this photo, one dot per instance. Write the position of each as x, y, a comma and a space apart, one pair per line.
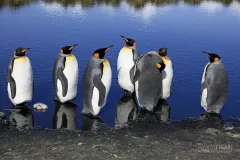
135, 55
132, 74
63, 80
137, 75
101, 88
10, 79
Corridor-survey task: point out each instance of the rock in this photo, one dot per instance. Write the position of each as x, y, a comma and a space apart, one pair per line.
212, 131
40, 107
233, 135
2, 115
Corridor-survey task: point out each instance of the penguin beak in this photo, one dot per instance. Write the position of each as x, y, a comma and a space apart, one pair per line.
125, 39
73, 47
108, 48
206, 53
25, 49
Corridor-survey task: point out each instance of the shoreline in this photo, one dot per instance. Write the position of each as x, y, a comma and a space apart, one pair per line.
144, 138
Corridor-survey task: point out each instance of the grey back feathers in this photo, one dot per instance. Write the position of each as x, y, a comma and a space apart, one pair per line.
149, 80
135, 58
92, 78
216, 83
10, 79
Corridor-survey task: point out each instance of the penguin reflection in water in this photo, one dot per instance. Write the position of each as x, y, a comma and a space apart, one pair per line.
167, 74
21, 117
126, 110
20, 78
65, 75
126, 64
65, 115
148, 80
97, 79
214, 90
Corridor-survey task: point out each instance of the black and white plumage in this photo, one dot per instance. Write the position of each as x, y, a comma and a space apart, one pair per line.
127, 58
65, 75
96, 84
20, 78
214, 89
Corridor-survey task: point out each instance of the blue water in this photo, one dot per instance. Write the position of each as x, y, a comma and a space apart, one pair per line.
183, 28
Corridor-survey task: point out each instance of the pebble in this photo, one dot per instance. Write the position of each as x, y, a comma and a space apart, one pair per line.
40, 106
2, 115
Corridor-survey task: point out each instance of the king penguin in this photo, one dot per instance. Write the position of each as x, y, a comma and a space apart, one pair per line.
214, 90
127, 58
20, 78
167, 74
148, 80
97, 79
65, 75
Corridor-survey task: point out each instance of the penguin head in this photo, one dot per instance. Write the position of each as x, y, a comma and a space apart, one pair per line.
20, 51
162, 52
100, 53
67, 49
129, 42
212, 57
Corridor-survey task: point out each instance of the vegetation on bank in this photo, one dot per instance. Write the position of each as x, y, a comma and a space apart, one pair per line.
89, 3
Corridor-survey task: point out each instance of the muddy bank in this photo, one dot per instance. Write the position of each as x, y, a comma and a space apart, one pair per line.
145, 138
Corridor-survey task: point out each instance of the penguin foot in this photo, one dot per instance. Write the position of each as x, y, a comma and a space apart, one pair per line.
85, 111
21, 104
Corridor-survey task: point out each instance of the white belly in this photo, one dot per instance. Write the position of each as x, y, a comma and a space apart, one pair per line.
204, 99
23, 76
107, 81
124, 65
167, 81
71, 73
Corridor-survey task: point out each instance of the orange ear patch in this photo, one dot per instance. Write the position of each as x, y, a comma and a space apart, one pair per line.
61, 51
96, 55
216, 59
158, 65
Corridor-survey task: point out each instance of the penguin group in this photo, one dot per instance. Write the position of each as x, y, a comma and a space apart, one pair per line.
148, 78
